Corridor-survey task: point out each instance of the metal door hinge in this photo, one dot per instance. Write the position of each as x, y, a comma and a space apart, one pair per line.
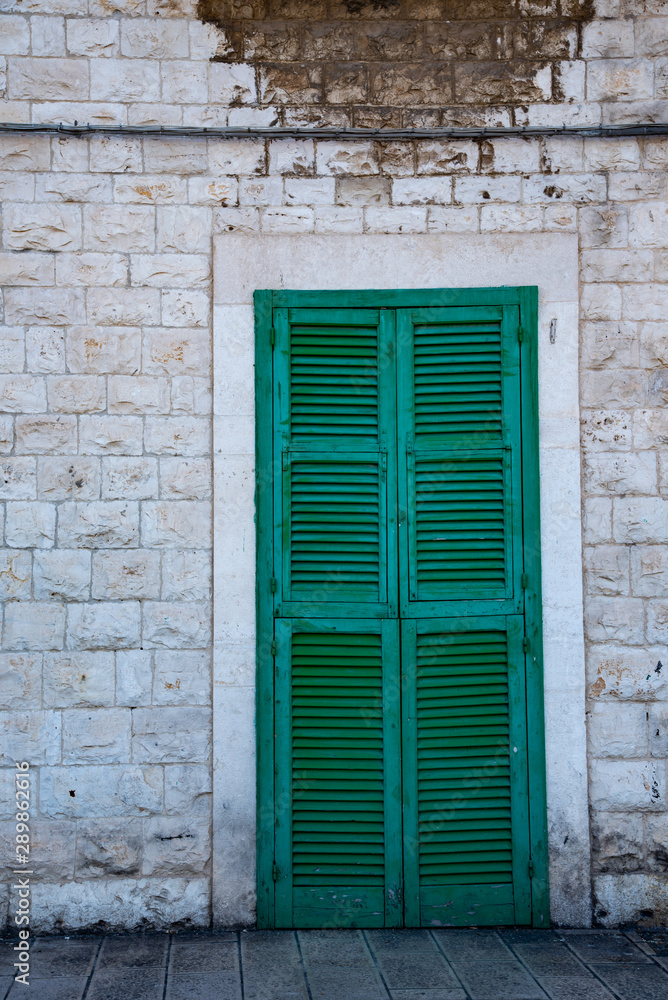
274, 584
525, 581
530, 868
273, 648
273, 336
275, 872
525, 644
520, 333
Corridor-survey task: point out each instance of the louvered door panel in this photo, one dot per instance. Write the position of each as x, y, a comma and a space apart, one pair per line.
338, 772
334, 408
464, 771
459, 461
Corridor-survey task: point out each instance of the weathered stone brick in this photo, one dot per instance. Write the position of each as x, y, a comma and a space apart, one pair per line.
123, 306
42, 227
115, 154
179, 734
606, 430
232, 84
45, 349
658, 731
617, 265
363, 191
604, 226
649, 570
187, 436
607, 567
456, 220
16, 186
499, 82
114, 228
26, 269
147, 38
640, 519
621, 474
138, 394
122, 574
601, 302
6, 433
79, 679
182, 677
422, 191
185, 308
288, 220
25, 152
178, 625
213, 191
91, 269
309, 190
183, 229
94, 350
129, 478
95, 37
72, 187
171, 270
47, 36
510, 218
110, 625
97, 736
72, 478
45, 306
32, 736
18, 479
63, 574
12, 349
110, 435
186, 575
185, 479
101, 790
100, 524
645, 302
76, 393
648, 224
14, 35
338, 219
483, 189
626, 673
627, 786
30, 525
184, 82
46, 434
609, 345
32, 625
341, 158
134, 677
48, 79
615, 619
187, 789
191, 395
175, 846
619, 79
15, 574
636, 186
617, 730
108, 847
657, 621
124, 80
21, 681
617, 841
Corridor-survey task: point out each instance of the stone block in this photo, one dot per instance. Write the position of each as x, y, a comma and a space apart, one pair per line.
621, 474
26, 269
478, 190
191, 395
6, 433
96, 736
177, 625
171, 734
100, 790
185, 308
445, 157
21, 681
232, 84
124, 80
511, 218
577, 188
159, 189
25, 152
42, 227
619, 80
337, 219
18, 479
32, 736
288, 220
604, 226
309, 190
636, 186
601, 302
124, 306
30, 525
91, 269
16, 186
78, 680
617, 265
45, 434
617, 730
94, 37
67, 187
184, 82
237, 157
108, 847
44, 306
628, 899
124, 574
15, 575
658, 730
186, 575
626, 673
455, 220
187, 436
47, 36
617, 841
110, 435
14, 35
177, 156
129, 478
32, 625
628, 785
346, 159
182, 677
115, 154
73, 478
657, 621
175, 846
185, 478
645, 302
12, 346
183, 229
52, 849
107, 524
649, 570
22, 394
171, 270
501, 82
230, 220
62, 574
134, 677
151, 38
48, 79
655, 853
411, 219
122, 903
650, 428
104, 625
124, 229
607, 39
613, 389
138, 394
604, 430
607, 567
45, 349
101, 350
260, 191
187, 790
648, 224
615, 619
76, 393
640, 519
213, 191
291, 156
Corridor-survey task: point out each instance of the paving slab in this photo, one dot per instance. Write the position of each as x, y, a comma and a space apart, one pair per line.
127, 984
603, 946
204, 986
59, 988
470, 945
548, 958
634, 982
428, 994
141, 951
410, 959
498, 981
218, 953
50, 957
272, 966
5, 985
575, 988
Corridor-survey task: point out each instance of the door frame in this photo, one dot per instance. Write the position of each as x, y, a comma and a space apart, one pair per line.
265, 301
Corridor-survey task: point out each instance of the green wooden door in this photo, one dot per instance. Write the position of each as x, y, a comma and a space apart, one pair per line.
401, 776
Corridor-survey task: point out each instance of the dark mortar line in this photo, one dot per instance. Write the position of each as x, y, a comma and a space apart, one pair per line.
241, 967
587, 966
303, 965
446, 959
94, 967
375, 962
169, 952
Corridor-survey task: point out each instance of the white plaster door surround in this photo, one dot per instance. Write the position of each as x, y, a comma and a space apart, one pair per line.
244, 262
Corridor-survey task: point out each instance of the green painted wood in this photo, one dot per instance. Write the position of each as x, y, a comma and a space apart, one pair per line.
338, 783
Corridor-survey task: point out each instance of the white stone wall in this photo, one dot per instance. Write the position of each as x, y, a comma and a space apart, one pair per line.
105, 426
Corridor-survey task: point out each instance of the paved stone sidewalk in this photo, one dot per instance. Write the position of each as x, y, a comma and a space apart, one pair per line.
347, 965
